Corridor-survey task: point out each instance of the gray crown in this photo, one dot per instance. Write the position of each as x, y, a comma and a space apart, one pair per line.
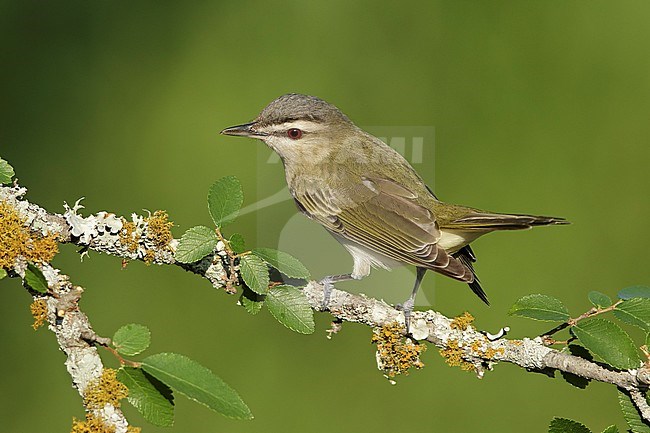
294, 106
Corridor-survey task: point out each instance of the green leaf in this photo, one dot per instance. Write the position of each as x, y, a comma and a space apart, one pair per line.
237, 243
254, 273
132, 339
6, 172
283, 262
608, 341
635, 311
611, 429
290, 307
540, 307
35, 278
153, 399
563, 425
634, 292
631, 414
224, 200
195, 244
251, 301
3, 273
197, 383
599, 299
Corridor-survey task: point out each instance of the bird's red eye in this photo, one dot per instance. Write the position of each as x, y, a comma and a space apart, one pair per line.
294, 133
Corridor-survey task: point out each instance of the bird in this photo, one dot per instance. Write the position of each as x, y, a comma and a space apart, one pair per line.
368, 196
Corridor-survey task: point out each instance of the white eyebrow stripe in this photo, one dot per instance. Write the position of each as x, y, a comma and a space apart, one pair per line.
304, 125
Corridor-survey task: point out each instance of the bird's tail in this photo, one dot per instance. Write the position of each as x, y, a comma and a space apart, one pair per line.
494, 221
467, 258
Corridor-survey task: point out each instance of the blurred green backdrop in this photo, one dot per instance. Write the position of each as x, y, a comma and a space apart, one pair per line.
538, 107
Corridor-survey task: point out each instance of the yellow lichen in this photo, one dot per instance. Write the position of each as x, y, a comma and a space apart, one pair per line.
396, 353
106, 389
93, 424
490, 353
90, 425
159, 229
149, 256
453, 355
480, 350
128, 237
39, 312
462, 322
476, 346
158, 235
17, 240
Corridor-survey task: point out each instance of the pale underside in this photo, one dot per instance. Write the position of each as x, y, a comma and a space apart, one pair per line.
365, 259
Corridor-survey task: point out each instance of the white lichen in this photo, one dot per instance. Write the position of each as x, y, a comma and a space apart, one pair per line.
108, 223
112, 416
419, 329
83, 228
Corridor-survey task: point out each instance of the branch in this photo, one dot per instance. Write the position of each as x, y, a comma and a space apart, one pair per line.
101, 232
77, 340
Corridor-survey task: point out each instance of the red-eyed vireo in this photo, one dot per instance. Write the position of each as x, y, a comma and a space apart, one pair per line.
370, 198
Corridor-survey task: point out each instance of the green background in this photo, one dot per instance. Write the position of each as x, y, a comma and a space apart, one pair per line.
538, 107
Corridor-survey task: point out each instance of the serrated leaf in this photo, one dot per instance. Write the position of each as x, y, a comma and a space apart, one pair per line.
237, 243
283, 262
631, 414
132, 339
251, 301
611, 429
195, 244
540, 307
224, 200
197, 383
635, 311
634, 292
609, 342
3, 273
254, 273
152, 398
599, 299
35, 279
6, 172
563, 425
290, 307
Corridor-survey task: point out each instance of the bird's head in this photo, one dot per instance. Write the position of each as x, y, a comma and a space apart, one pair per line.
298, 127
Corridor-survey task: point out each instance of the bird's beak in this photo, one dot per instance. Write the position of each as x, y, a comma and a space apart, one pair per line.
245, 130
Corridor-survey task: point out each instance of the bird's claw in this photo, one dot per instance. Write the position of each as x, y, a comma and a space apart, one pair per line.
407, 309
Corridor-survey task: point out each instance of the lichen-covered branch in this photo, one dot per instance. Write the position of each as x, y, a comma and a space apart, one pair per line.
77, 340
146, 238
473, 349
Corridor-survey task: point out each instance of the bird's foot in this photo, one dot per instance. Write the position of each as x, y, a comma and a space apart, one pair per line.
407, 309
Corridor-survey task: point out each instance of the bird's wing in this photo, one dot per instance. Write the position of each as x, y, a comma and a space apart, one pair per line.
383, 216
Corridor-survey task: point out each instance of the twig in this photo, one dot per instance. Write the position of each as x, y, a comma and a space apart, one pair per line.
595, 311
430, 326
73, 333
